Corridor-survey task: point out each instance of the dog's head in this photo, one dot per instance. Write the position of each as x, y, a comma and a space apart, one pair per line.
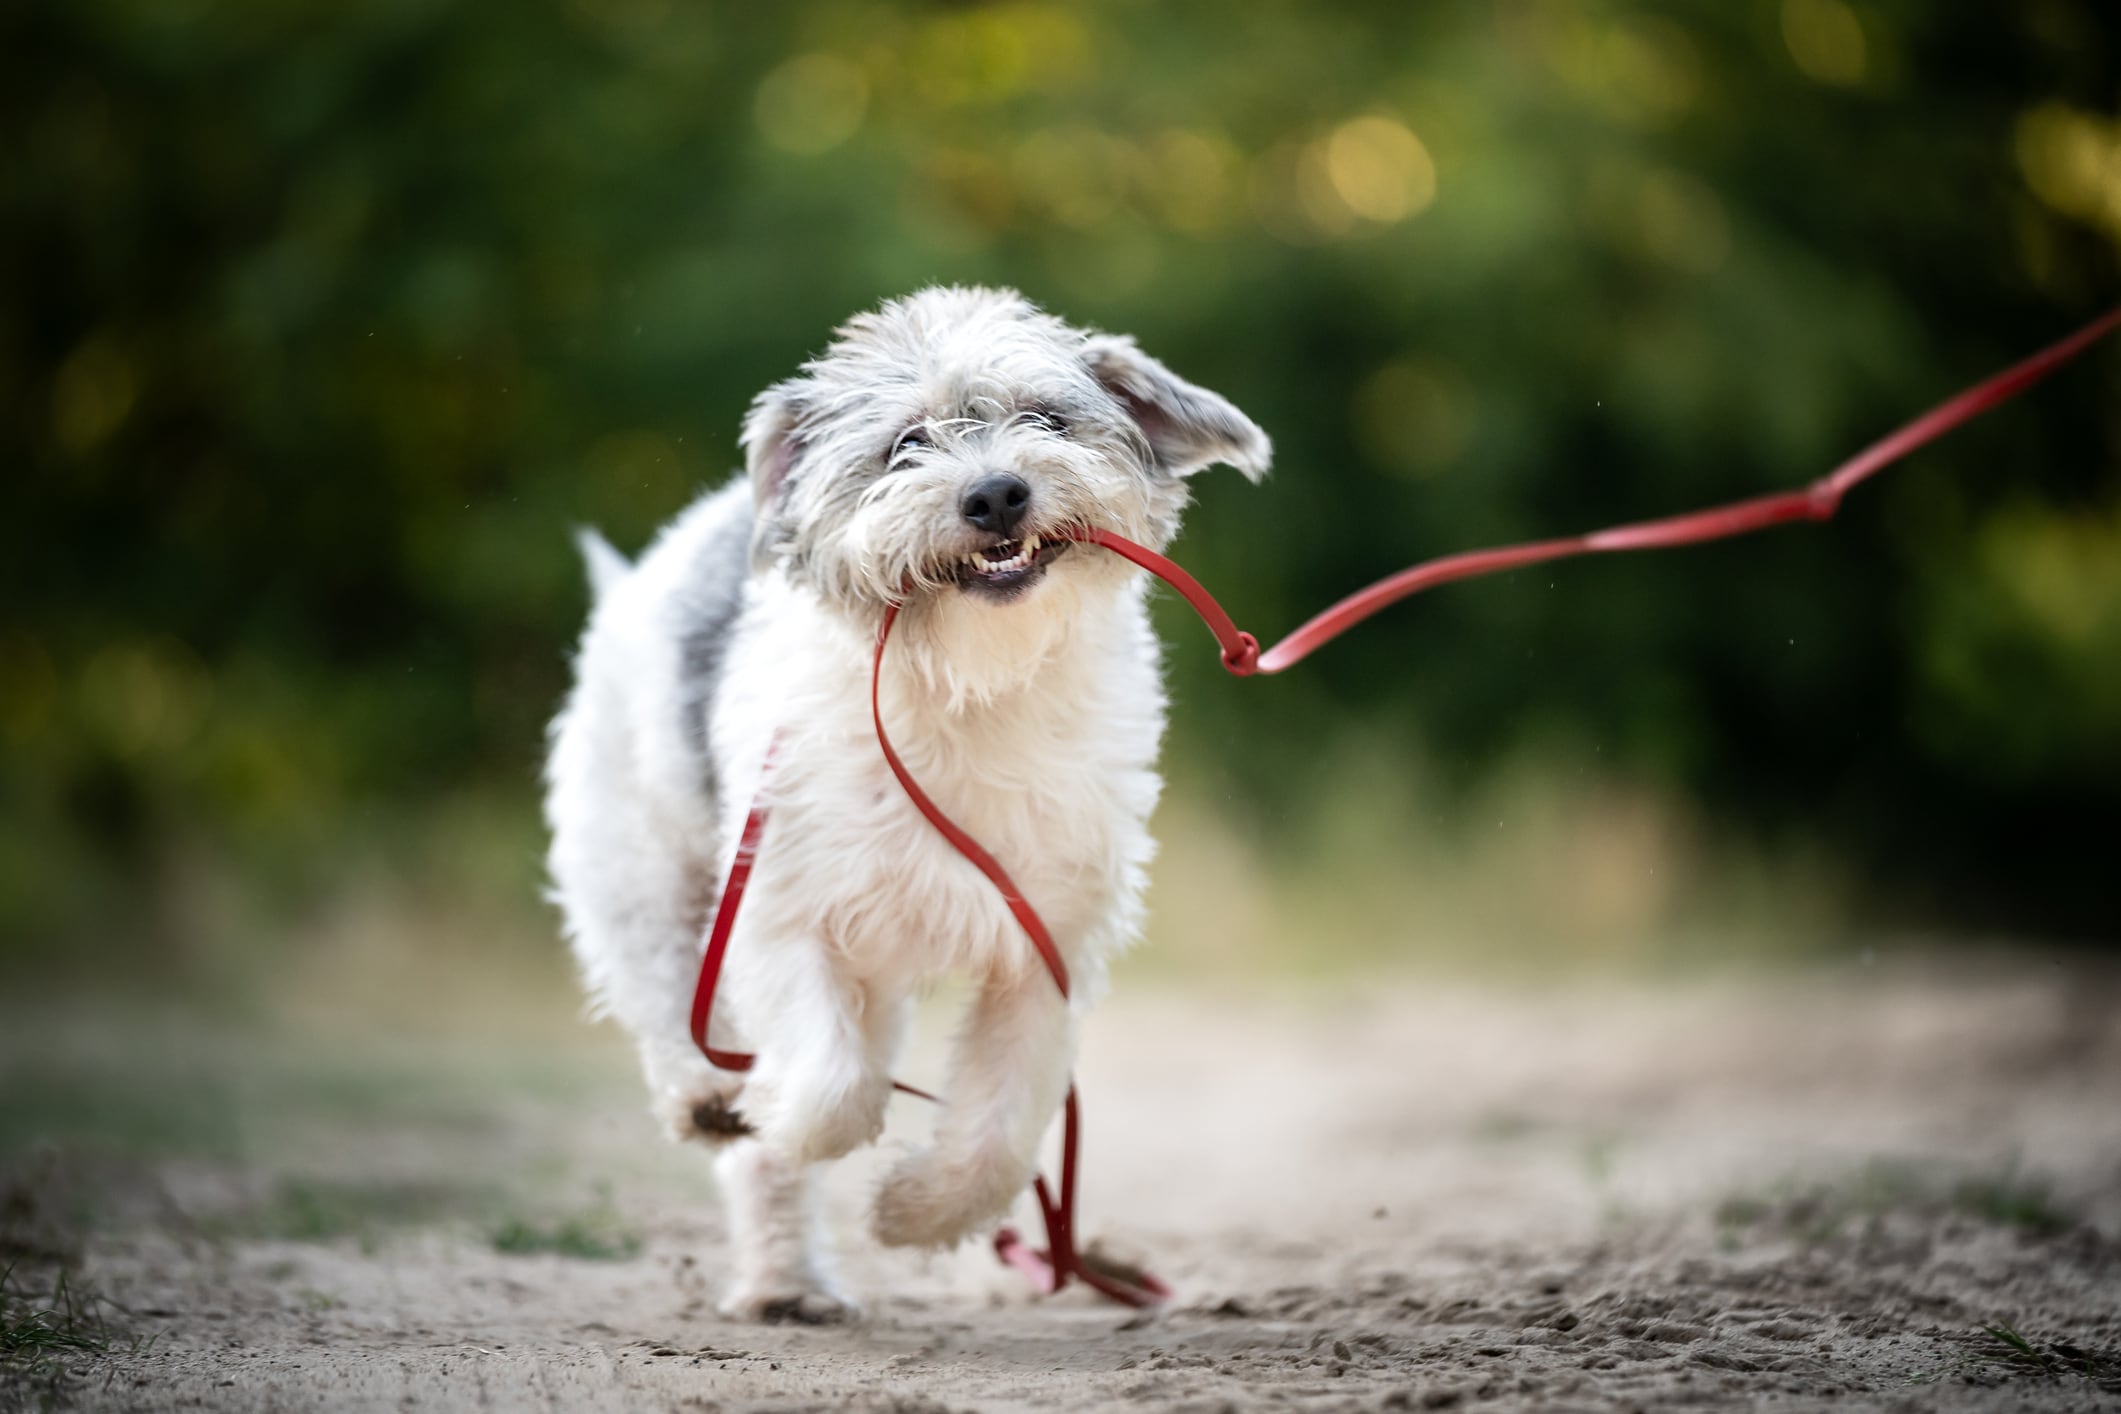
942, 444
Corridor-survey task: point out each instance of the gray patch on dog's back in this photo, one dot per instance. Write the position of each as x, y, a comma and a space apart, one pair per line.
703, 614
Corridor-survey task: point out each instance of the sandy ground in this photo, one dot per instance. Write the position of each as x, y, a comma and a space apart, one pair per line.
1853, 1188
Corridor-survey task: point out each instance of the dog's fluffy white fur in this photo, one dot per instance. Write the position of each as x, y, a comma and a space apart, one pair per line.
1026, 701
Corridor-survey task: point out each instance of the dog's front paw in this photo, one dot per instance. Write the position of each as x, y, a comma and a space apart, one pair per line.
790, 1303
816, 1121
930, 1201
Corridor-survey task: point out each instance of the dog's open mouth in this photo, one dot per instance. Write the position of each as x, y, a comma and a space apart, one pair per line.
1007, 567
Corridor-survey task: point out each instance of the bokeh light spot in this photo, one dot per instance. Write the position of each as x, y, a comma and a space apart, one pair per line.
1653, 74
977, 55
145, 696
1380, 170
1826, 40
812, 103
1642, 72
92, 395
27, 686
2072, 161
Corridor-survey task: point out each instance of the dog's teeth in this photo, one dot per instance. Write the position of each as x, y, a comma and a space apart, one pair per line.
1026, 552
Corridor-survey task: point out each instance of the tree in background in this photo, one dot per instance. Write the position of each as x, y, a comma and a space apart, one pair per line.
324, 323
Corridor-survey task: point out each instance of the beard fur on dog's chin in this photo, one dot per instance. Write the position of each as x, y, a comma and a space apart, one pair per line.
970, 650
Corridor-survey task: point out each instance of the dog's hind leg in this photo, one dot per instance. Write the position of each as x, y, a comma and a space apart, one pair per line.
634, 905
1007, 1078
652, 951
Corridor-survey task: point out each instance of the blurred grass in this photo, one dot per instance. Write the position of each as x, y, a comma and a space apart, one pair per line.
1541, 870
596, 1234
311, 1210
473, 1100
1815, 1212
34, 1324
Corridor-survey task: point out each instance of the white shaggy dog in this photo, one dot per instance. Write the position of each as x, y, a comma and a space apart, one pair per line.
929, 455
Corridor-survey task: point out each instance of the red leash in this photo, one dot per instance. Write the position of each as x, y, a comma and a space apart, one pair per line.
1818, 501
1052, 1269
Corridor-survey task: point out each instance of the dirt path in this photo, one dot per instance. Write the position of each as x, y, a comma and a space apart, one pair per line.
1847, 1190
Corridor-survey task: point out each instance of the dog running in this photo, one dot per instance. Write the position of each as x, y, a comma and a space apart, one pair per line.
934, 455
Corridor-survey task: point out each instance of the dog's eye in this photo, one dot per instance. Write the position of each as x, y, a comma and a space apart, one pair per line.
1046, 419
911, 438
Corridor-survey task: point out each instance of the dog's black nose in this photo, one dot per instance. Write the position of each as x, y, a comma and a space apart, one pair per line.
997, 503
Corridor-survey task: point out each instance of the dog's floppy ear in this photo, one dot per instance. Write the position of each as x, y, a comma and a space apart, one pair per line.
1188, 427
770, 441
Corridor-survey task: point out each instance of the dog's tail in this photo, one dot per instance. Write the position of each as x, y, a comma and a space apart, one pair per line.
606, 565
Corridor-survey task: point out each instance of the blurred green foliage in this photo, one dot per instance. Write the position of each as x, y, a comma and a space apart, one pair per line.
322, 324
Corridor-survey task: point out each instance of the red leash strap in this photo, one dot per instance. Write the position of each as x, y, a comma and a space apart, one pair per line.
964, 844
1052, 1269
1060, 1262
747, 854
1819, 501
